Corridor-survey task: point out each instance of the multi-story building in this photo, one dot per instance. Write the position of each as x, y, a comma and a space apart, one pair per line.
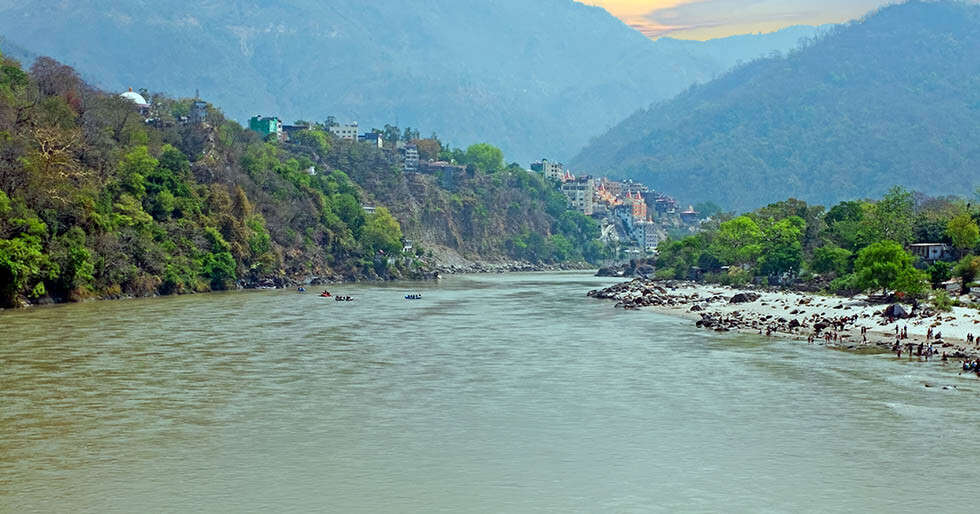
581, 194
373, 138
266, 126
638, 207
552, 170
345, 132
645, 234
410, 158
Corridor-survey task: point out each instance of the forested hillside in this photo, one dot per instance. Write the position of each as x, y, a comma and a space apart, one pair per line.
100, 199
891, 99
538, 78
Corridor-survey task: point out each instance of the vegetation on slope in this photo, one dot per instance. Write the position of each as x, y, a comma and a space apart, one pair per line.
536, 78
893, 98
97, 200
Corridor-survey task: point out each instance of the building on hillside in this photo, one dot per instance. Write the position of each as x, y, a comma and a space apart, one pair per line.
690, 215
410, 158
638, 207
344, 132
266, 126
199, 112
645, 234
932, 252
448, 173
665, 204
552, 170
581, 194
137, 99
613, 187
625, 214
372, 138
291, 130
634, 188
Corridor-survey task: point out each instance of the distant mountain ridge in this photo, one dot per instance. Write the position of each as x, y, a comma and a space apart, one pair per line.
539, 78
891, 99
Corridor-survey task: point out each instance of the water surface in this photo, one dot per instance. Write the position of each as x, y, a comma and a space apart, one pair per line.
496, 393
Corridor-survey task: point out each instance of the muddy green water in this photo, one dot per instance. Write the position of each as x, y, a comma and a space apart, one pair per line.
502, 393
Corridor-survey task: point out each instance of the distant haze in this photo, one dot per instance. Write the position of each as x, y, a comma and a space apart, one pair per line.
537, 79
706, 19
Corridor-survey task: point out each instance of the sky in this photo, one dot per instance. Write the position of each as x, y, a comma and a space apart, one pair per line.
707, 19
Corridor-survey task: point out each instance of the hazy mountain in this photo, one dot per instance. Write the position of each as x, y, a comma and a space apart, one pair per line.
891, 99
538, 78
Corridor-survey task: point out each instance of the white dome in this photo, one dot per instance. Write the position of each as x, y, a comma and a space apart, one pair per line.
136, 98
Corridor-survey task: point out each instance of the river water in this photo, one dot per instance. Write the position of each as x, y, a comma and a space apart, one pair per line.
496, 393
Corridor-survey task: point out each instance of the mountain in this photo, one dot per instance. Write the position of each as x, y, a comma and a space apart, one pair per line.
538, 78
890, 99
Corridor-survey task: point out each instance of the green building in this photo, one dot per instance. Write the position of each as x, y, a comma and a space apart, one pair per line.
266, 126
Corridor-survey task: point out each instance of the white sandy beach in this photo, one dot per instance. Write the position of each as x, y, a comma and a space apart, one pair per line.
775, 310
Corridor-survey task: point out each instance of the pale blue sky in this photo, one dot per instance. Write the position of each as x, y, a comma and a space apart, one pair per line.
705, 19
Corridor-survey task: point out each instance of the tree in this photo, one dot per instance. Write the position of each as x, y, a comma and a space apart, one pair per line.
892, 218
964, 232
831, 259
429, 149
886, 265
782, 246
967, 269
738, 241
487, 158
382, 232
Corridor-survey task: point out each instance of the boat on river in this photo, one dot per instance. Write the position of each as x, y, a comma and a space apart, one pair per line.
413, 296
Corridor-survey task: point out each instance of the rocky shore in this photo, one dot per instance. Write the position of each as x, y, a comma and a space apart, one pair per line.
855, 324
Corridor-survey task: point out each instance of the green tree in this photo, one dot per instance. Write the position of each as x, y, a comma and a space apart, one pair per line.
967, 269
487, 158
964, 232
738, 241
886, 265
892, 218
831, 259
382, 232
23, 268
782, 246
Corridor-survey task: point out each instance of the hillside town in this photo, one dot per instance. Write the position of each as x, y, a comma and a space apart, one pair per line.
634, 217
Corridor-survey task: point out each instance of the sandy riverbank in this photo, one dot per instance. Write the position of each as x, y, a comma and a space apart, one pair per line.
802, 315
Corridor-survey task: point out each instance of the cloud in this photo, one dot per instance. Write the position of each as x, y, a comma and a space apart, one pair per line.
712, 18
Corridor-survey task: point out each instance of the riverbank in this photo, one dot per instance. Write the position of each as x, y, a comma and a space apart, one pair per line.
433, 271
853, 324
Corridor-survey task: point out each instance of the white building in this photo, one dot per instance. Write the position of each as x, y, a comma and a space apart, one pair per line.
552, 170
410, 154
645, 234
345, 132
581, 194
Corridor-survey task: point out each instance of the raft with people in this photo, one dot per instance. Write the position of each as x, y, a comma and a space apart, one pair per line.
413, 296
344, 298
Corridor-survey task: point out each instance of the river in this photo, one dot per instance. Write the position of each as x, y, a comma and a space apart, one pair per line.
495, 393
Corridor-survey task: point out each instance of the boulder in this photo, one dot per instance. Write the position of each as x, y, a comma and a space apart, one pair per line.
744, 298
896, 311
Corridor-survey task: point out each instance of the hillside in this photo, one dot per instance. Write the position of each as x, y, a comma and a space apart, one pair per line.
890, 99
100, 197
537, 78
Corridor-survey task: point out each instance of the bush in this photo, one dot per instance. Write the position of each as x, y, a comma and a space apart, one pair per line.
941, 301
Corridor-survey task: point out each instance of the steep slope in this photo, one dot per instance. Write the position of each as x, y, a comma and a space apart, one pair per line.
539, 78
892, 99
